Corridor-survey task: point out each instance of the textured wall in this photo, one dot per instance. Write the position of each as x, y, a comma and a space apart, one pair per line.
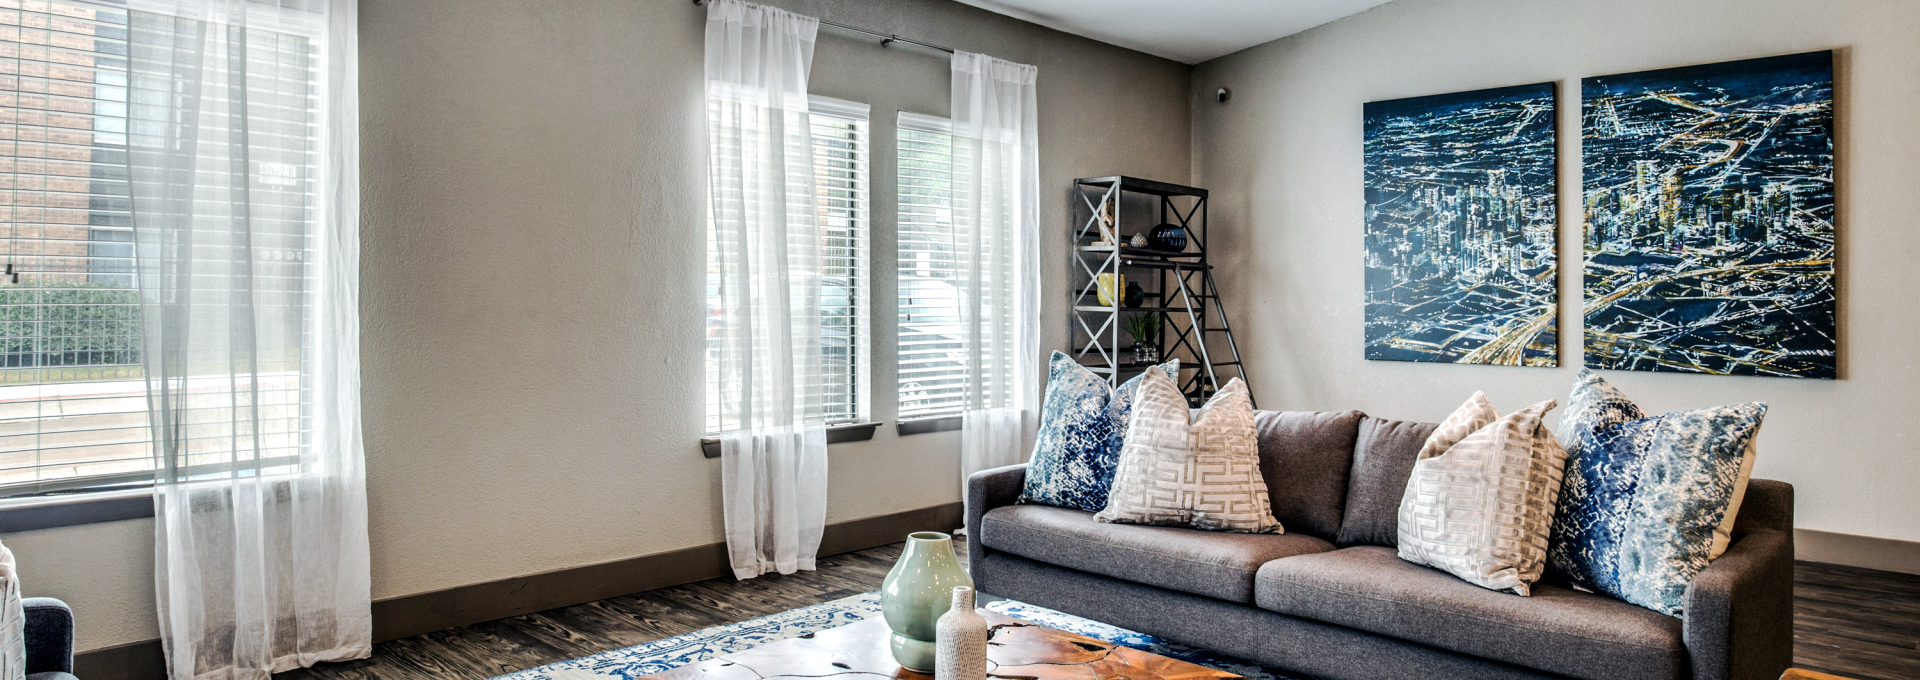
532, 276
1284, 159
104, 571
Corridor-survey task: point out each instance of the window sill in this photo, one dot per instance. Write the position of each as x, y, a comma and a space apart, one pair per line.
47, 512
838, 434
927, 425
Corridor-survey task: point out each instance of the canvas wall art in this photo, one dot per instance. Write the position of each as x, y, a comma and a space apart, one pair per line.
1460, 254
1710, 219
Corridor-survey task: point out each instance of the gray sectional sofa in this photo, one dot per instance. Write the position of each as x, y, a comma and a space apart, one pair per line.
1331, 599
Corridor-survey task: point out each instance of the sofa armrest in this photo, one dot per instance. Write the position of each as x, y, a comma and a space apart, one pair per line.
986, 490
1739, 610
49, 635
1767, 505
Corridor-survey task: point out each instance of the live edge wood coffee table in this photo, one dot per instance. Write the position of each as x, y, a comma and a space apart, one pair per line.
1017, 651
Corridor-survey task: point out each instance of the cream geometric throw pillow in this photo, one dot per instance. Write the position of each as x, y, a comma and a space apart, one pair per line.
1470, 417
1203, 473
1482, 509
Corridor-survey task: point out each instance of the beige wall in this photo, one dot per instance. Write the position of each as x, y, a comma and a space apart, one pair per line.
531, 278
1283, 160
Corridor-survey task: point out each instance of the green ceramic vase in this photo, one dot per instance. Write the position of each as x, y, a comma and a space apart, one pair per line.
917, 592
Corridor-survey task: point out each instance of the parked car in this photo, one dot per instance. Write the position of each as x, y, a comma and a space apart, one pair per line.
932, 343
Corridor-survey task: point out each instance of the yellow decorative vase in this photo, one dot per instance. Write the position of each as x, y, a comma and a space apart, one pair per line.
1107, 289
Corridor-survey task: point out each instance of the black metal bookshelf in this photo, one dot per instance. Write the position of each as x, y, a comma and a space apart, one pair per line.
1193, 323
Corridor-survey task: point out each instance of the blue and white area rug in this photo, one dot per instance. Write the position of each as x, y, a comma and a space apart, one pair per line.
663, 655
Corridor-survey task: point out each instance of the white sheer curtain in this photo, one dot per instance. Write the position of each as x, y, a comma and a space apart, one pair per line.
243, 149
996, 227
763, 269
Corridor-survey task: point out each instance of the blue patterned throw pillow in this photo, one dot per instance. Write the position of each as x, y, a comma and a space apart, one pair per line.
1082, 424
1644, 496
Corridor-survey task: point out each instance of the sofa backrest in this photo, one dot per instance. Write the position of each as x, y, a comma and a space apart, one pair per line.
1383, 458
1305, 457
1340, 476
1767, 505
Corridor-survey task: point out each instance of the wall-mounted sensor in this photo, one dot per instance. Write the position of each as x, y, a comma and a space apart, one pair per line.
1222, 95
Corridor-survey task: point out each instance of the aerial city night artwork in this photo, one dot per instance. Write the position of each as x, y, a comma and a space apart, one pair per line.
1460, 228
1710, 218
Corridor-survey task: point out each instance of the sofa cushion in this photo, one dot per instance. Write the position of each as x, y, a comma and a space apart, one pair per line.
1557, 629
1305, 458
1219, 565
1383, 459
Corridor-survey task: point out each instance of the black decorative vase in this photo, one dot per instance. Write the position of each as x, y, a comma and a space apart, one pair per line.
1135, 295
1169, 237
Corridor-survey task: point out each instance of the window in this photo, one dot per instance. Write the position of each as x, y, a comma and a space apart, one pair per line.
73, 390
933, 370
840, 174
840, 146
73, 407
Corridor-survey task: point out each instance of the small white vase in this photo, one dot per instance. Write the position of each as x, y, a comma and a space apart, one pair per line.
960, 644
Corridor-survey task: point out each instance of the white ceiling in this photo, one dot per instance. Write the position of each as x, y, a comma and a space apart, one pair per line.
1188, 31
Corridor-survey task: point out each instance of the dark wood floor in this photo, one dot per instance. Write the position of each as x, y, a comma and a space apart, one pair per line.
484, 650
1856, 622
1852, 622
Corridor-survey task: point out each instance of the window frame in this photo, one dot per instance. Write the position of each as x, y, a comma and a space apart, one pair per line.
130, 495
29, 513
104, 94
860, 388
860, 426
920, 422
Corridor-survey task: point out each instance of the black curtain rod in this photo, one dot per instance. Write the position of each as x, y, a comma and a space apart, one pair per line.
885, 38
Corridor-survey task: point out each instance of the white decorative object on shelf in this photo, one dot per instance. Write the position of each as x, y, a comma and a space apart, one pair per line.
960, 640
1139, 241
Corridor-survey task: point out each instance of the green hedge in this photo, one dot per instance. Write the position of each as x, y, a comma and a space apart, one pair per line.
68, 324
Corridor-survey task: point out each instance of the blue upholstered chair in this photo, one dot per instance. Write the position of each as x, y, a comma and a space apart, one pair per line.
49, 639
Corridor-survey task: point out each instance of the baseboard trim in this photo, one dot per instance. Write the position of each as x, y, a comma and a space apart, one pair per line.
143, 660
1885, 554
410, 615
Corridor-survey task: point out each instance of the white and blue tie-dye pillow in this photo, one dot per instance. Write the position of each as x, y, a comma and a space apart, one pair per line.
1082, 424
1643, 495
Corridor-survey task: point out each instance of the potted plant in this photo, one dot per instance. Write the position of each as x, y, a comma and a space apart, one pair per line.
1145, 329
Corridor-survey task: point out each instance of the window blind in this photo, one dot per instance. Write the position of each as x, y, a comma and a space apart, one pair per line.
73, 407
932, 359
840, 143
237, 403
73, 390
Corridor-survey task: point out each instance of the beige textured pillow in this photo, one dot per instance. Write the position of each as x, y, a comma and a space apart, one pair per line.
13, 620
1469, 418
1203, 473
1723, 534
1482, 510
